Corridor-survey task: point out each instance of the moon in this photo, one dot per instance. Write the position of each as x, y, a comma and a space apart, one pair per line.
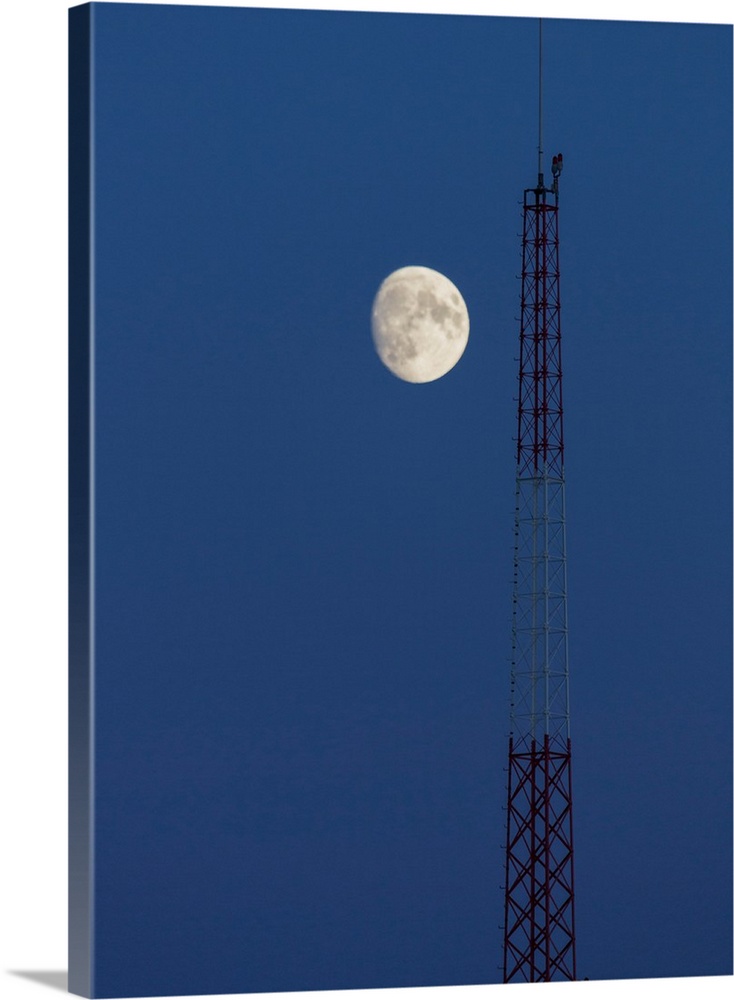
420, 324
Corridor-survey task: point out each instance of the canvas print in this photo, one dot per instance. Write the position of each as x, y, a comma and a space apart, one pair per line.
400, 479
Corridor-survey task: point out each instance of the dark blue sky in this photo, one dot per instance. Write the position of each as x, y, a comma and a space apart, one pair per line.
305, 565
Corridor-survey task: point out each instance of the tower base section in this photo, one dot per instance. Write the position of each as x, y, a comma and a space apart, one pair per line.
540, 943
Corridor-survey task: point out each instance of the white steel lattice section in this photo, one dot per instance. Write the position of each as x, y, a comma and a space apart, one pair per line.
539, 679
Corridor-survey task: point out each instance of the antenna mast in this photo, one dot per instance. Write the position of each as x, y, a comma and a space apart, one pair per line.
540, 102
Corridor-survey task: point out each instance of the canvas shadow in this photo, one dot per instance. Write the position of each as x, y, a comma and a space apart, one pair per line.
57, 980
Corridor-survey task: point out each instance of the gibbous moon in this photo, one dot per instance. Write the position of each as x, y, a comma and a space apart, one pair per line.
420, 324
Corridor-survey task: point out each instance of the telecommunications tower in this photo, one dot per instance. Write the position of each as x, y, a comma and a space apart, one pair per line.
539, 933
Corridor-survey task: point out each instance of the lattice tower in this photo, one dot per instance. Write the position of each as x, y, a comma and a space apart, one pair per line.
539, 932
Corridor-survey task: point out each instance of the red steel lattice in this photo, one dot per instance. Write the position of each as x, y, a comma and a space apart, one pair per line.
540, 409
539, 895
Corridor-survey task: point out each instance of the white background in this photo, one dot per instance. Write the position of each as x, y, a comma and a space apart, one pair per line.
33, 37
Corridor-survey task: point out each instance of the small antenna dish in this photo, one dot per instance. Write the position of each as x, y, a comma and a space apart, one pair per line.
556, 169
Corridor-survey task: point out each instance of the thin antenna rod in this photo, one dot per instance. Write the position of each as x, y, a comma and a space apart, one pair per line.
540, 102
